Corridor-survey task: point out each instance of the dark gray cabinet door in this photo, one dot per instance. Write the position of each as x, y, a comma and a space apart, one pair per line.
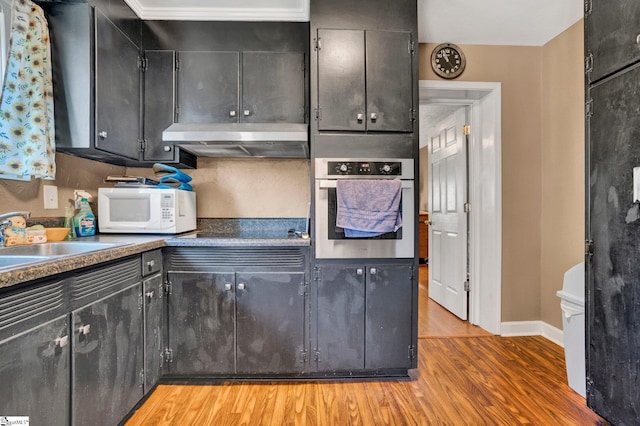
117, 80
201, 322
273, 87
34, 367
107, 358
159, 103
613, 287
341, 80
389, 81
153, 330
270, 322
388, 316
340, 317
208, 84
611, 31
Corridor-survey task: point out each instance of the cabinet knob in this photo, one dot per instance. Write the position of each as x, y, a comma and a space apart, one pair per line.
150, 295
241, 286
103, 134
232, 113
61, 342
373, 271
150, 265
359, 271
84, 329
246, 113
228, 287
166, 148
374, 117
360, 117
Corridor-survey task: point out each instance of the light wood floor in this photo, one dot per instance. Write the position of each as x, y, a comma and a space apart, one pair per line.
471, 379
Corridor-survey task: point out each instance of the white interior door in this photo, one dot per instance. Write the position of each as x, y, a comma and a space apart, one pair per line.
448, 229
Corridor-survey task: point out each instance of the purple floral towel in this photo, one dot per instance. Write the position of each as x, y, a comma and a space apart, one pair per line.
368, 207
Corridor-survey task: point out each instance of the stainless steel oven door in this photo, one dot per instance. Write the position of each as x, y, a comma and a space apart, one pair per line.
331, 246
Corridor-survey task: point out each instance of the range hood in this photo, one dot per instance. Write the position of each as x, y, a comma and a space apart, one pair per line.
262, 140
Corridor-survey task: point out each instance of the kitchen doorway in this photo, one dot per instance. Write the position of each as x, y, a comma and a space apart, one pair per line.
485, 188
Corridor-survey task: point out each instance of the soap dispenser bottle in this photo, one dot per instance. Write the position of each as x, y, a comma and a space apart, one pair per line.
84, 222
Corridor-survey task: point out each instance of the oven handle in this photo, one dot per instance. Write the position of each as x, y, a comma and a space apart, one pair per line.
326, 184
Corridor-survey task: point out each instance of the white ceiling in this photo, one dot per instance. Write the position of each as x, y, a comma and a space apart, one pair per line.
501, 22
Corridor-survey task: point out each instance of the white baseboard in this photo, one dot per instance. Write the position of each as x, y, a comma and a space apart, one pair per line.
532, 328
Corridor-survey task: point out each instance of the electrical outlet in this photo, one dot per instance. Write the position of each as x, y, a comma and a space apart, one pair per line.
50, 194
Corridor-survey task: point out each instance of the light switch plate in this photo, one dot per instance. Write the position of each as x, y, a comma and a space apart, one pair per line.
50, 194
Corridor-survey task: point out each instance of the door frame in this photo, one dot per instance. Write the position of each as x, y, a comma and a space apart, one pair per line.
485, 190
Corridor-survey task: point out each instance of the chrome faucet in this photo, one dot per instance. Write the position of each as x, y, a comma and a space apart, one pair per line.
5, 222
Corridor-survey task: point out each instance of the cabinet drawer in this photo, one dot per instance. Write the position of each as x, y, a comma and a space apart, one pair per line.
151, 262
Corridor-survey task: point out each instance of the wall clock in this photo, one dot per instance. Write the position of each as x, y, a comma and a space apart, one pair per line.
447, 60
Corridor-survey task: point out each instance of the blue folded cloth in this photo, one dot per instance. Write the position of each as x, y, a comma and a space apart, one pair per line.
177, 185
367, 208
166, 173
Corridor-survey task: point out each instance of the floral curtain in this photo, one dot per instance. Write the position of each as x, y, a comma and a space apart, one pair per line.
27, 137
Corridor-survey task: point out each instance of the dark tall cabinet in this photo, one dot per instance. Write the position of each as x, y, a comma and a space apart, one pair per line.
613, 225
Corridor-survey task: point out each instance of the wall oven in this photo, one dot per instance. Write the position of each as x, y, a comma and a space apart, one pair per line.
330, 240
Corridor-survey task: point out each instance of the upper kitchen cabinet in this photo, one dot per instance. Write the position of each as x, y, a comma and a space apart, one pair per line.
612, 32
241, 87
96, 81
364, 80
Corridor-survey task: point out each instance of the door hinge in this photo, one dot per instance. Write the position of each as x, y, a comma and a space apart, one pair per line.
316, 355
318, 113
177, 63
412, 114
467, 207
167, 288
588, 109
466, 130
304, 357
140, 302
304, 288
588, 248
142, 145
142, 63
168, 355
412, 352
141, 378
412, 48
317, 44
588, 63
588, 7
467, 285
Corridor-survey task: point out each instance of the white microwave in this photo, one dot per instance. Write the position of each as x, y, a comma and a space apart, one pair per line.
146, 210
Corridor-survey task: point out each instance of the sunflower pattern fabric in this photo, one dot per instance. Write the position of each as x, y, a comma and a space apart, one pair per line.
27, 136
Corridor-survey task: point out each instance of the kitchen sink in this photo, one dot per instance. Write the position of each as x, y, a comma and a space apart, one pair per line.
54, 249
11, 261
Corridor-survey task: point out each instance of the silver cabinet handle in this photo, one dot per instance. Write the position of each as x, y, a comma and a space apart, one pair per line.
228, 287
374, 117
241, 286
360, 117
246, 113
232, 113
84, 329
373, 271
150, 295
61, 342
103, 134
359, 271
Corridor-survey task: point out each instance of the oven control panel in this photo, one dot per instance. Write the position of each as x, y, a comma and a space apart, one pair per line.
364, 168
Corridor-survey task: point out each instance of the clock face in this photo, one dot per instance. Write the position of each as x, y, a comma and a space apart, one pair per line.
447, 60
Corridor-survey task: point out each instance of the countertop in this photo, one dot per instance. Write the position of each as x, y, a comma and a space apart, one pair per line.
127, 245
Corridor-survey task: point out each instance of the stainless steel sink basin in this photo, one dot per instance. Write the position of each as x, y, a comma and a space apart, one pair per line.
11, 261
55, 249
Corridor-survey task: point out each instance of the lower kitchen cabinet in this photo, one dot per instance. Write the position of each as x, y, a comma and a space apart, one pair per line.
35, 353
364, 316
107, 346
246, 315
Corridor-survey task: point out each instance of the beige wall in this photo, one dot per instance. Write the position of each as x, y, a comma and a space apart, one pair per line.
72, 173
563, 178
519, 69
242, 188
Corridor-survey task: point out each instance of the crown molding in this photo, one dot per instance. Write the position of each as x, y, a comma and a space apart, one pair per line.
300, 14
